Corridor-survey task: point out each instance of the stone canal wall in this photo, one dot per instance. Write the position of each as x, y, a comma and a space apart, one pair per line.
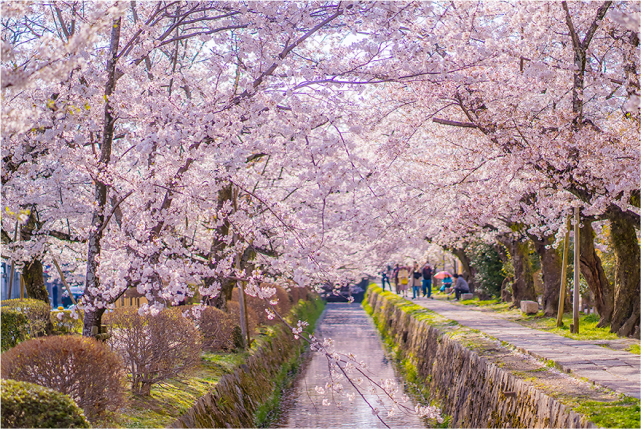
237, 396
472, 390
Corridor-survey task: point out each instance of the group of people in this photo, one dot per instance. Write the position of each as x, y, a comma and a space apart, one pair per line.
414, 276
420, 280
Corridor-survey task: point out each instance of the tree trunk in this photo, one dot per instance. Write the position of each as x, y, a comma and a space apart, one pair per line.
92, 321
592, 271
523, 286
217, 253
625, 317
502, 250
220, 300
506, 296
551, 264
32, 272
470, 272
93, 314
34, 281
145, 388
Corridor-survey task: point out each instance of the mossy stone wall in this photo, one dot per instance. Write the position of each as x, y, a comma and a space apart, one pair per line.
473, 391
237, 396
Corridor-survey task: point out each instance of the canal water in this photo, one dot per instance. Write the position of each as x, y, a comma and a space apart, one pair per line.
353, 332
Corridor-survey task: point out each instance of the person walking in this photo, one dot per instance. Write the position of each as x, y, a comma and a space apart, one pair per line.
460, 287
403, 277
395, 277
416, 281
384, 279
427, 280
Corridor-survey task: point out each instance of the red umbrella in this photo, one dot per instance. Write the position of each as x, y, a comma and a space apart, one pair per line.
441, 275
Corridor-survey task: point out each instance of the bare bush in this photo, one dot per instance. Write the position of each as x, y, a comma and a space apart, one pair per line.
259, 305
217, 326
233, 307
80, 367
154, 348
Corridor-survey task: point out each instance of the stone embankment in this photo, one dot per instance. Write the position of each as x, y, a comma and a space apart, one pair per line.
465, 374
238, 396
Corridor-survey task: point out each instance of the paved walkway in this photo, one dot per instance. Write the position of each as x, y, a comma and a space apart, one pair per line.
616, 370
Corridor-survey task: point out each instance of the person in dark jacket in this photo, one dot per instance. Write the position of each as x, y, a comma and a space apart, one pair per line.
385, 279
427, 280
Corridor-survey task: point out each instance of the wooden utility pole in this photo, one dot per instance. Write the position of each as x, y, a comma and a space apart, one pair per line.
564, 273
577, 273
242, 305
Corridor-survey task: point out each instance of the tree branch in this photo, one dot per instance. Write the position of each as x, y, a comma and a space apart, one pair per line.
568, 20
113, 210
63, 236
454, 123
286, 51
600, 13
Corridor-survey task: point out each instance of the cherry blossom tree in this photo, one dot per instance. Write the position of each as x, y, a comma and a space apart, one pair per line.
187, 148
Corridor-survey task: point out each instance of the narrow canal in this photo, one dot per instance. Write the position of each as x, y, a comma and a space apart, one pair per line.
352, 331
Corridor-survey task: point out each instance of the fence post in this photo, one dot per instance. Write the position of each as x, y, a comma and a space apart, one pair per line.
564, 273
577, 272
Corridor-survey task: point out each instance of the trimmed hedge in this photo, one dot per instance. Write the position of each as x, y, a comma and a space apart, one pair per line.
83, 368
37, 313
27, 405
14, 327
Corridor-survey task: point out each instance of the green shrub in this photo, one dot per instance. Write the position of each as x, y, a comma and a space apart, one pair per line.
489, 267
83, 368
14, 327
27, 405
37, 313
63, 323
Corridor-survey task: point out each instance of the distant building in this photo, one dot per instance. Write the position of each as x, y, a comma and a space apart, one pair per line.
131, 298
54, 286
4, 286
58, 294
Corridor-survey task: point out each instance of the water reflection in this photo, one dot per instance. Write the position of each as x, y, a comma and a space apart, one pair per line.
352, 331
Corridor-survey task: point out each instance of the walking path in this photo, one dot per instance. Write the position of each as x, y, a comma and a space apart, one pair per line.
616, 370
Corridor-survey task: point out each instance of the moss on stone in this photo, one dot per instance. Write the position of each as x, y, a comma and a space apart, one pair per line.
634, 348
618, 414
